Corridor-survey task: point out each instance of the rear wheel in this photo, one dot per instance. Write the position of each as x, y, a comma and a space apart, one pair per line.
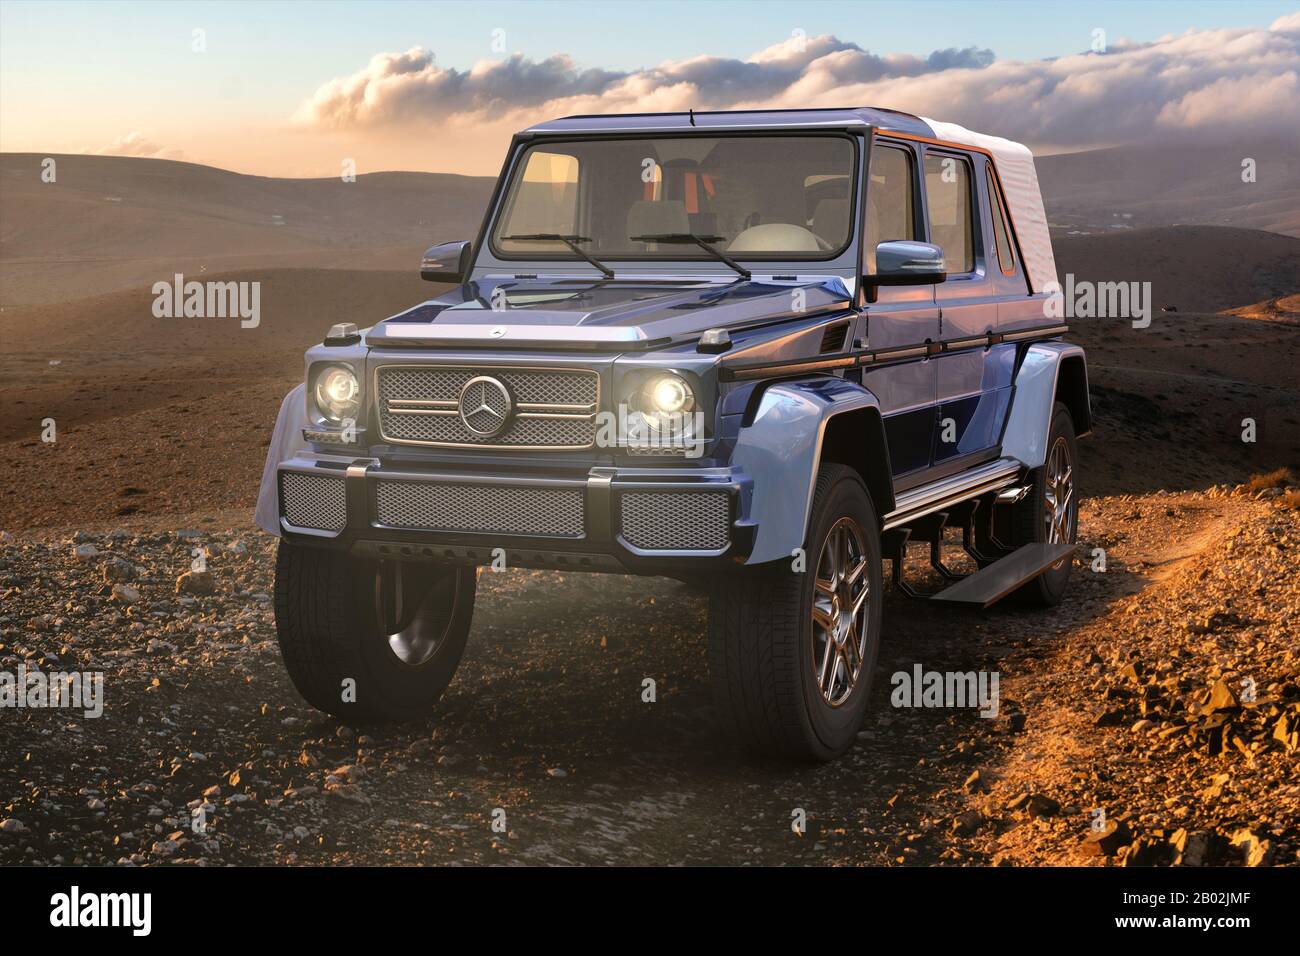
792, 652
1050, 513
370, 639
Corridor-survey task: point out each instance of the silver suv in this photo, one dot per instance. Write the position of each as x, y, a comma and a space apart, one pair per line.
757, 350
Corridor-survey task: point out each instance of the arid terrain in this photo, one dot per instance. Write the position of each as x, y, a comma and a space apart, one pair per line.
1128, 699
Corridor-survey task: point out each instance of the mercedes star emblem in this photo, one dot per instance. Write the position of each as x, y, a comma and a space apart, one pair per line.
485, 406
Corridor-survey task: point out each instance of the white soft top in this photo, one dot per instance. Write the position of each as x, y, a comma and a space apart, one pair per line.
1015, 167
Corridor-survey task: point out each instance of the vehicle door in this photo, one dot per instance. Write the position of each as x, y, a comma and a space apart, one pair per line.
967, 373
903, 320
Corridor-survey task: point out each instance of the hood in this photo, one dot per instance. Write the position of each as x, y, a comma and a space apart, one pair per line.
615, 315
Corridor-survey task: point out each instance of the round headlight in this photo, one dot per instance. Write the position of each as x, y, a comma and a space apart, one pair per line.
667, 395
665, 402
337, 394
670, 395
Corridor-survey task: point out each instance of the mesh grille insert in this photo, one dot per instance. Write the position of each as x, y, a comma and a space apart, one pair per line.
575, 394
676, 521
313, 501
499, 509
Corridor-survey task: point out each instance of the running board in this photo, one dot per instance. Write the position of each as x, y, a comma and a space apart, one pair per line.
991, 584
934, 497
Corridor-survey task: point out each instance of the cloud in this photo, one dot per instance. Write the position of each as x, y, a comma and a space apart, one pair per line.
410, 86
1234, 81
134, 143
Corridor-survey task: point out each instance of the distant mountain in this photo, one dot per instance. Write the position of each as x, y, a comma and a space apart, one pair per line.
111, 222
1113, 190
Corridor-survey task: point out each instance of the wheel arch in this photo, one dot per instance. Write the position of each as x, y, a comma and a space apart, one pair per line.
798, 424
286, 441
1048, 372
1072, 392
856, 438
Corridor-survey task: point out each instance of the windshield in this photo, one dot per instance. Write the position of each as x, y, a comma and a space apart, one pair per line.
749, 197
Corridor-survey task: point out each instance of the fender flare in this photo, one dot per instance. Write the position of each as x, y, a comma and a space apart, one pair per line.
286, 441
781, 450
1036, 389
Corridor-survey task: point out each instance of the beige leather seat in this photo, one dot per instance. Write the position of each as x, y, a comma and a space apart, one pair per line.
830, 221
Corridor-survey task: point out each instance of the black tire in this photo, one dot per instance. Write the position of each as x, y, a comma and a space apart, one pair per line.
1029, 519
764, 648
334, 614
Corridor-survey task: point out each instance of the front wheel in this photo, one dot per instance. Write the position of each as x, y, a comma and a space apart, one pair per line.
792, 648
367, 639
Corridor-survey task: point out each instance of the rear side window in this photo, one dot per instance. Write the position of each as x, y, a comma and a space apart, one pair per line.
890, 200
947, 190
1001, 234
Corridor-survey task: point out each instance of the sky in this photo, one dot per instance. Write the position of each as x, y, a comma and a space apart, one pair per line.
300, 88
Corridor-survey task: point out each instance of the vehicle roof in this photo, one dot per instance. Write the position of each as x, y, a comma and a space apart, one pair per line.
882, 119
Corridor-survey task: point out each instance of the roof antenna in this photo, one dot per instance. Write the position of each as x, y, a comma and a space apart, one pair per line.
692, 111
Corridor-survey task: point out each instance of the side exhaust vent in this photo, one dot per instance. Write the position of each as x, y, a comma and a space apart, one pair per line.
833, 338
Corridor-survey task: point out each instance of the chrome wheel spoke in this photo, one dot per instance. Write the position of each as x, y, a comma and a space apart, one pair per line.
856, 572
852, 654
837, 669
830, 554
827, 668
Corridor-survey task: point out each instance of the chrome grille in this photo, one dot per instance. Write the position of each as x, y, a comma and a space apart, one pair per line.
497, 509
313, 501
676, 520
553, 408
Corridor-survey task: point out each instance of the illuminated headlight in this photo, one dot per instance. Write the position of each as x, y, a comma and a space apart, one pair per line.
665, 403
338, 394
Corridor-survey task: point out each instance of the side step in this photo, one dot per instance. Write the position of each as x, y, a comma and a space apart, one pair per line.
926, 500
991, 584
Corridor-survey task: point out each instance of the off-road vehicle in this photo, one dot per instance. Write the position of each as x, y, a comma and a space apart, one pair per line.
760, 351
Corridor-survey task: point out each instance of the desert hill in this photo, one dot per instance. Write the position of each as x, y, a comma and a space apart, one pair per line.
1191, 268
1136, 187
111, 222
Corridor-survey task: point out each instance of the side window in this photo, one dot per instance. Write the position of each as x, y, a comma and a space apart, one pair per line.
1001, 234
890, 200
545, 200
947, 191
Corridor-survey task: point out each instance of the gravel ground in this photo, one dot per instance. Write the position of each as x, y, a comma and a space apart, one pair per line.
1126, 699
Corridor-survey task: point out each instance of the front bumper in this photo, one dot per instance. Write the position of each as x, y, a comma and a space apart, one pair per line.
626, 520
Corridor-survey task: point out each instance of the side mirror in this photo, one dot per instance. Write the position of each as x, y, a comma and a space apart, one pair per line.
903, 262
446, 262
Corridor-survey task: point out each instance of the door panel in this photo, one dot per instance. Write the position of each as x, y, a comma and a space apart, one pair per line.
901, 315
966, 422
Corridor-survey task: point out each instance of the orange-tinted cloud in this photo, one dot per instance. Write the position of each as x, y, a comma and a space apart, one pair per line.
1241, 80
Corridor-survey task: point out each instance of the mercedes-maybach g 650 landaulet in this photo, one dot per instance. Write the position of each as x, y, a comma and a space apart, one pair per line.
759, 351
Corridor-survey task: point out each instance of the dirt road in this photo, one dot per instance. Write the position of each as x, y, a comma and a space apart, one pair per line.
546, 733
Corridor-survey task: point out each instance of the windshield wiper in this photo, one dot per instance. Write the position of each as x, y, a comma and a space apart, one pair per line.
704, 242
570, 241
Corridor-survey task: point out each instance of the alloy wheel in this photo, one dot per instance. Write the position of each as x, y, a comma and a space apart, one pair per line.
841, 597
